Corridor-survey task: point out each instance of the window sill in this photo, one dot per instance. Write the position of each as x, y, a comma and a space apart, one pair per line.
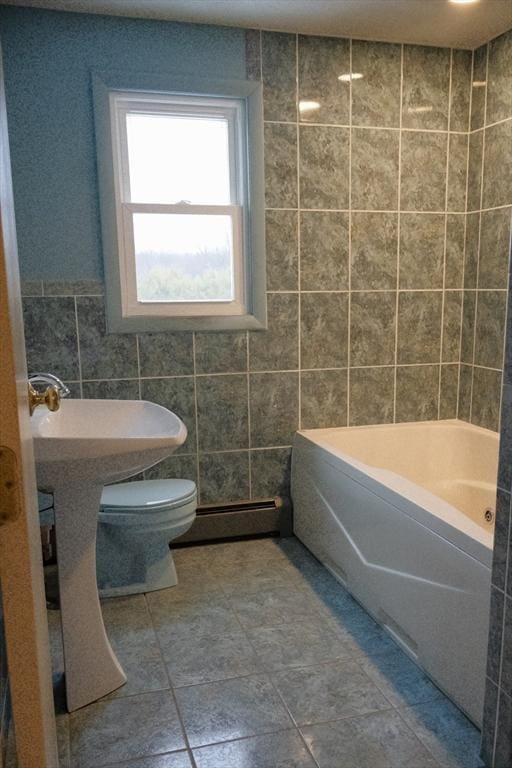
147, 324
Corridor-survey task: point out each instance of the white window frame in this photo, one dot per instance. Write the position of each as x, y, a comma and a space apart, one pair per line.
121, 104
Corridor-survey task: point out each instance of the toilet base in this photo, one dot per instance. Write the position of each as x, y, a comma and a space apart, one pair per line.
130, 570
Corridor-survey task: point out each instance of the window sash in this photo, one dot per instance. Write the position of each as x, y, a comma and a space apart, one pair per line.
123, 104
132, 307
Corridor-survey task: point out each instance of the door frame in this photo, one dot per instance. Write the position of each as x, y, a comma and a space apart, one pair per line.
21, 566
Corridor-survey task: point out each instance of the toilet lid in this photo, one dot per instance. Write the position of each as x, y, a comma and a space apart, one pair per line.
147, 494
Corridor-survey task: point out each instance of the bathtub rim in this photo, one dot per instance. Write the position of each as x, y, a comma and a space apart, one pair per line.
413, 500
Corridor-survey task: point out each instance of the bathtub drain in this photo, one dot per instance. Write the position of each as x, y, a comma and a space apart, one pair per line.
488, 515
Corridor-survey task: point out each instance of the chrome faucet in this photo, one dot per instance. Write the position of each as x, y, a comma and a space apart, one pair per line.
51, 380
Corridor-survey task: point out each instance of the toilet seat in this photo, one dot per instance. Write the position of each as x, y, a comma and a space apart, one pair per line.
149, 504
143, 496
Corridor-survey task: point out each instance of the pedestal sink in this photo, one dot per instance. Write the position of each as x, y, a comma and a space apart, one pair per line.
83, 446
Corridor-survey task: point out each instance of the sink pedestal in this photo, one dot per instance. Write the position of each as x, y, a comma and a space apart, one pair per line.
91, 667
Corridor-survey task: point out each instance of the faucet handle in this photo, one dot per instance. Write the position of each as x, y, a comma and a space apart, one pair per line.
50, 397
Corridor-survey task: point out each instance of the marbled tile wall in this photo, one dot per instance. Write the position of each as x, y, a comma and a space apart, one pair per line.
365, 229
491, 136
489, 202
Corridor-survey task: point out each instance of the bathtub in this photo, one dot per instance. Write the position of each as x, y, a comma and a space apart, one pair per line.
400, 514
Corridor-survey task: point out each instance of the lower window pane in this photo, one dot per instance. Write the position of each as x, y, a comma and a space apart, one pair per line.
183, 257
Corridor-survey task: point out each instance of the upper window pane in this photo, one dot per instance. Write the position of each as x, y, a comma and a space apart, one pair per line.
183, 257
174, 158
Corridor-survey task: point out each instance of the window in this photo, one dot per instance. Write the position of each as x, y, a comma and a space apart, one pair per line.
182, 173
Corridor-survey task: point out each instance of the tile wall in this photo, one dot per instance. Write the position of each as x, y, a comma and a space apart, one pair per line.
366, 227
487, 234
491, 132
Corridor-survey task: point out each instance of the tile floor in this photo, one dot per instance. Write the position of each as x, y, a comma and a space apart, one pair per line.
259, 659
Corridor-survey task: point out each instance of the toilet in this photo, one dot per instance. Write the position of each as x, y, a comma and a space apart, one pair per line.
136, 523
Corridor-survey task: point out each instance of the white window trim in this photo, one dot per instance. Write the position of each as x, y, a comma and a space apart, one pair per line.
120, 105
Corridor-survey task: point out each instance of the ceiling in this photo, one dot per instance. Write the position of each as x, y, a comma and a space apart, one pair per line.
431, 22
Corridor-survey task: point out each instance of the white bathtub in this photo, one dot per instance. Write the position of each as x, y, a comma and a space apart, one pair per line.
397, 513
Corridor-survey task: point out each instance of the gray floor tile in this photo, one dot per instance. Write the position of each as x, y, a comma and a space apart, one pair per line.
205, 659
122, 614
328, 692
273, 607
196, 556
139, 654
242, 577
361, 633
232, 709
297, 645
124, 729
400, 680
199, 615
447, 734
380, 740
277, 750
174, 760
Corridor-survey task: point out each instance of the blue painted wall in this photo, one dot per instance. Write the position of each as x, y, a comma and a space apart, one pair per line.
47, 58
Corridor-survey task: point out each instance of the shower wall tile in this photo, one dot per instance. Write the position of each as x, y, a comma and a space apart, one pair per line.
457, 171
485, 411
506, 648
166, 354
465, 390
174, 466
372, 328
274, 408
449, 391
323, 399
50, 336
279, 76
417, 392
324, 246
489, 730
111, 389
253, 54
490, 328
324, 167
374, 169
475, 171
282, 248
278, 347
454, 258
503, 742
498, 165
452, 317
270, 472
419, 327
478, 89
460, 90
371, 395
221, 352
494, 248
374, 245
103, 355
222, 412
426, 85
471, 252
468, 327
501, 543
505, 457
324, 330
421, 250
495, 633
321, 61
499, 79
223, 476
280, 166
376, 95
423, 171
73, 288
178, 396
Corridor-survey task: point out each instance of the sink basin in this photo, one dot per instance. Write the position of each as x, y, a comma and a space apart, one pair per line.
83, 446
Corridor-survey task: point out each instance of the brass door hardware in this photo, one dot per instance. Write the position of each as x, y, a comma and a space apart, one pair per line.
50, 397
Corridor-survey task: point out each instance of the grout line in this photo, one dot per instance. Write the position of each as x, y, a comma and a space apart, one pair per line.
479, 241
299, 243
377, 210
79, 353
196, 417
349, 308
443, 295
465, 235
399, 190
347, 126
